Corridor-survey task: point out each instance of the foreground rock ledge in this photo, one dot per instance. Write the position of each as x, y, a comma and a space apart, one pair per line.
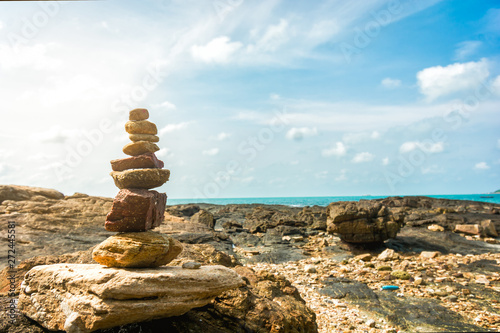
85, 298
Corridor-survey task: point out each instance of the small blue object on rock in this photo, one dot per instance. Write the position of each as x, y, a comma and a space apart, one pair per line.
390, 287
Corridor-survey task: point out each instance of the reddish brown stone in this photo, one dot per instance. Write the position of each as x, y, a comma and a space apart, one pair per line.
136, 210
144, 161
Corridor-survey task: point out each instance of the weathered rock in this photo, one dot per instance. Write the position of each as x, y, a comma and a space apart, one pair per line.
429, 254
84, 298
136, 250
144, 161
138, 114
18, 193
363, 221
140, 147
191, 265
141, 127
402, 275
488, 228
435, 227
140, 178
388, 254
136, 210
204, 217
469, 229
143, 137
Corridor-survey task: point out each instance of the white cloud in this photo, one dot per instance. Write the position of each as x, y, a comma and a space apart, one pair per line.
495, 85
426, 146
172, 127
338, 150
375, 135
298, 134
167, 105
55, 135
211, 152
321, 175
164, 152
466, 49
363, 157
33, 57
433, 169
385, 161
440, 81
218, 50
481, 166
221, 136
391, 83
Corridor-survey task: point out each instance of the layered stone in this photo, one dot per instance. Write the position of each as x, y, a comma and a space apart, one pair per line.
140, 178
139, 148
136, 210
143, 137
141, 127
85, 298
143, 161
137, 250
138, 114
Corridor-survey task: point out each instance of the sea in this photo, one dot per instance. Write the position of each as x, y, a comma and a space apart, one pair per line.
324, 201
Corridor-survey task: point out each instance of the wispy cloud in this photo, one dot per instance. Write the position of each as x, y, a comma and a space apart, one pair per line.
466, 49
481, 166
391, 83
428, 147
299, 134
218, 50
172, 127
211, 152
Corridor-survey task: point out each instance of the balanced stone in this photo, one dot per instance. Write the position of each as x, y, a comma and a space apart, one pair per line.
139, 148
137, 250
140, 178
143, 137
138, 114
136, 210
144, 161
141, 127
85, 298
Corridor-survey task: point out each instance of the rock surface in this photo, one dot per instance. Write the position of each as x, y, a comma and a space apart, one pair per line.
136, 210
144, 161
141, 127
137, 249
138, 114
140, 147
140, 178
143, 137
363, 221
84, 298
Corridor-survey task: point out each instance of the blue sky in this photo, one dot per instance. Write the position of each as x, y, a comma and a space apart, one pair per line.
255, 98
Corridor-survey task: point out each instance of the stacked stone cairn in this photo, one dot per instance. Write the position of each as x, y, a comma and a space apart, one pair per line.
80, 298
136, 208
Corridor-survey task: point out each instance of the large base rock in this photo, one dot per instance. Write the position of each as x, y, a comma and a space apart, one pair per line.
84, 298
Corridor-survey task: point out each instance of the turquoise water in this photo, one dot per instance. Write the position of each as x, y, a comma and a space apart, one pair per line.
323, 201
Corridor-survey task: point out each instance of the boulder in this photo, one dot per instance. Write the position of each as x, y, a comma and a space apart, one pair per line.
136, 210
140, 147
204, 217
140, 178
141, 127
363, 221
18, 193
85, 298
469, 229
488, 228
144, 161
137, 249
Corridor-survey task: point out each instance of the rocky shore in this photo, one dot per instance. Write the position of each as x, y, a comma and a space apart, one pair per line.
311, 269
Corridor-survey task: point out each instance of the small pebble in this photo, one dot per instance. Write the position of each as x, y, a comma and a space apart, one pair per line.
191, 265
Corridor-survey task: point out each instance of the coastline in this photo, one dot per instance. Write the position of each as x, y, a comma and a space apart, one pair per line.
324, 201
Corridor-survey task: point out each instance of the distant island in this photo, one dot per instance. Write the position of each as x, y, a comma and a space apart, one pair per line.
497, 191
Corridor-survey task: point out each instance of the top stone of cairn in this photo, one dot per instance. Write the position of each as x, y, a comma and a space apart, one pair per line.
138, 114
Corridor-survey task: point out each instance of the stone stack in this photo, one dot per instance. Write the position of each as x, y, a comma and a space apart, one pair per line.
136, 208
81, 298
